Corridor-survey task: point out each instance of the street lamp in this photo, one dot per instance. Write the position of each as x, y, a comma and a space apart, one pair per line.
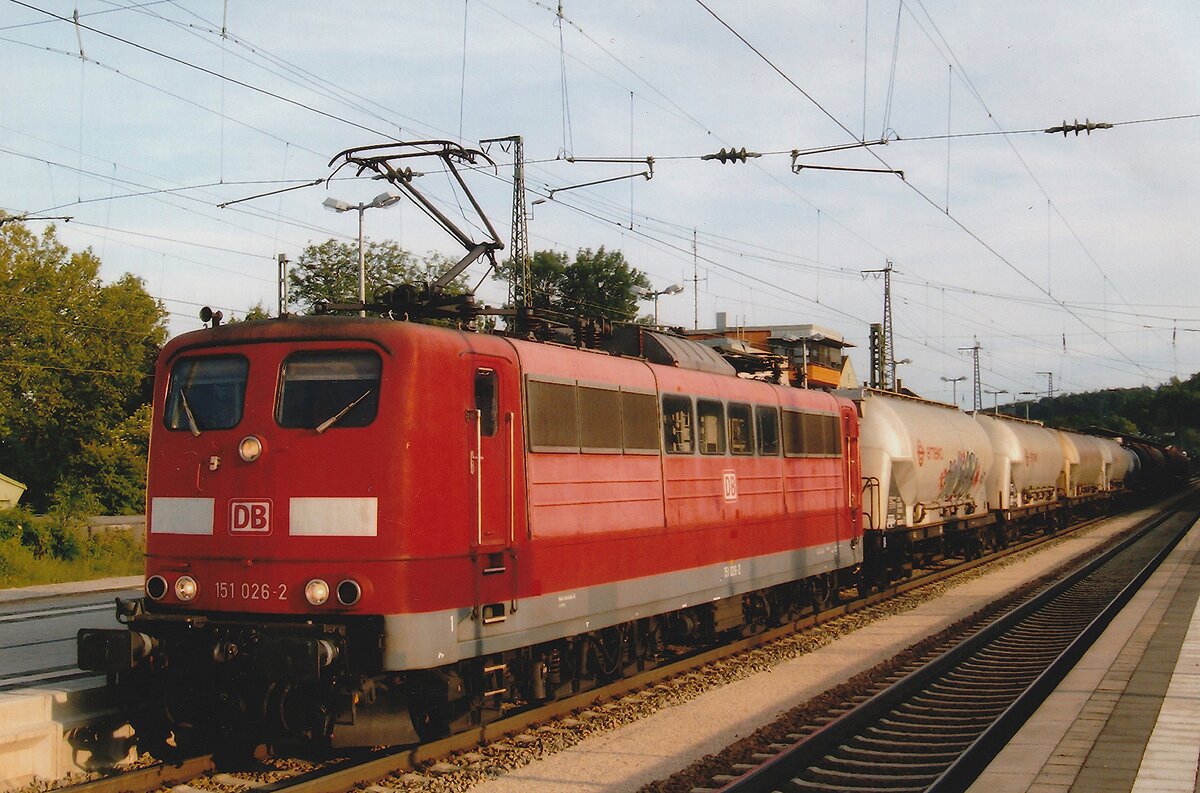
379, 202
954, 381
1028, 393
652, 294
996, 399
895, 363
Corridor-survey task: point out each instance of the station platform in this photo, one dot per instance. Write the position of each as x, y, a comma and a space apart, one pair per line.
1127, 718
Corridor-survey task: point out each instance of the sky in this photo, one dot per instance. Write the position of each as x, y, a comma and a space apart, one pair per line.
1071, 255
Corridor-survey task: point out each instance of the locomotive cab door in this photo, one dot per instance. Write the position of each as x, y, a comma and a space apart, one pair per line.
491, 443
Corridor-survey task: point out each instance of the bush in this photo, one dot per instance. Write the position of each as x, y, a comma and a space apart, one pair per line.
13, 522
37, 549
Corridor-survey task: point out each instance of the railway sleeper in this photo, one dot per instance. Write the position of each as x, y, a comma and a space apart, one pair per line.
863, 779
898, 758
893, 721
988, 672
963, 737
966, 688
854, 765
906, 743
804, 784
941, 719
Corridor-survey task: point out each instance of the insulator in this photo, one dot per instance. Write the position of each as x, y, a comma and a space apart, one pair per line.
731, 155
1087, 126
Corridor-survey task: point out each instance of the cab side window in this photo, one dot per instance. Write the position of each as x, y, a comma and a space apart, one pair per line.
486, 401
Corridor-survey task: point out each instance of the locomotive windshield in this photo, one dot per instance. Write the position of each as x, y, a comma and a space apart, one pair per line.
206, 393
320, 390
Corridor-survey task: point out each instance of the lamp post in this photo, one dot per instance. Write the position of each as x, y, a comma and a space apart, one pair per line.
379, 202
652, 294
1028, 393
895, 363
954, 381
996, 399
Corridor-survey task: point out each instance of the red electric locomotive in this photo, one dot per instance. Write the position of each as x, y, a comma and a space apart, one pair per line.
353, 518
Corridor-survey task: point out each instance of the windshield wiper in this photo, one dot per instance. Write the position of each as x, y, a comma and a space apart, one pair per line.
187, 411
341, 414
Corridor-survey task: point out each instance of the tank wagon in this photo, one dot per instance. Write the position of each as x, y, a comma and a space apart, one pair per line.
1026, 465
364, 531
924, 468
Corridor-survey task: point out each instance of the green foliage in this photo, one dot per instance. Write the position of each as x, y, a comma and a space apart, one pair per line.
38, 549
597, 284
76, 355
1169, 413
12, 522
112, 467
255, 312
328, 272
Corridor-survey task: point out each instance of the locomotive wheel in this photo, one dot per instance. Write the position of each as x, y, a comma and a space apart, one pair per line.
608, 647
430, 719
821, 592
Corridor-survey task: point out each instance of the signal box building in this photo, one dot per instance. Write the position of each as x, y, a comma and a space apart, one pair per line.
813, 356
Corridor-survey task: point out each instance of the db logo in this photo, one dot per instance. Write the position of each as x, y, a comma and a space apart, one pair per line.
730, 485
250, 517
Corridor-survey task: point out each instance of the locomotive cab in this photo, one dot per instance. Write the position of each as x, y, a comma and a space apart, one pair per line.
298, 497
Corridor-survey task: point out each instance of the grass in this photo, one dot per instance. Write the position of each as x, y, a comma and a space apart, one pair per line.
42, 550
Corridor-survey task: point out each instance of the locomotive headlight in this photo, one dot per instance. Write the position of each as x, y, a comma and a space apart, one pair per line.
349, 592
250, 449
156, 587
186, 588
316, 591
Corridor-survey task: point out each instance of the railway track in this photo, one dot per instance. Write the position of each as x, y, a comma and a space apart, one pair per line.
939, 723
346, 773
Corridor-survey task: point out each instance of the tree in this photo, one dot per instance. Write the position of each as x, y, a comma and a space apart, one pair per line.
112, 466
602, 284
76, 354
255, 312
328, 272
598, 284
